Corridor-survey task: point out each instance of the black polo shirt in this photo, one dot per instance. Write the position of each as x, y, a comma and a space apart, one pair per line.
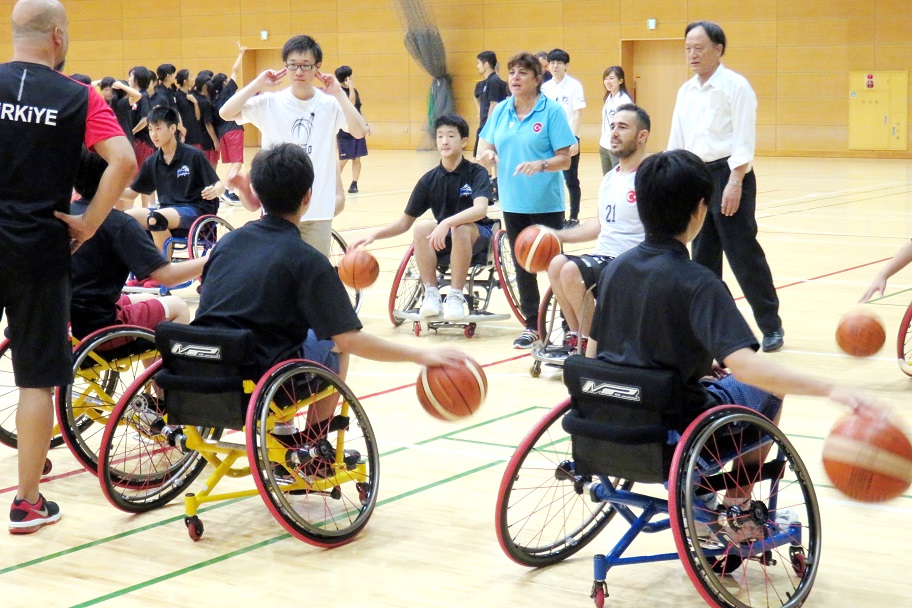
205, 118
140, 110
657, 308
163, 96
263, 277
101, 266
187, 113
179, 183
224, 126
446, 194
123, 111
493, 89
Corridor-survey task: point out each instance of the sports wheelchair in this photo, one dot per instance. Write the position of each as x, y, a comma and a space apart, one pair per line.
489, 270
309, 445
552, 329
574, 473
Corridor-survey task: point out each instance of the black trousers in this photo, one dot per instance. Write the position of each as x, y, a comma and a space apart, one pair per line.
736, 236
571, 177
529, 296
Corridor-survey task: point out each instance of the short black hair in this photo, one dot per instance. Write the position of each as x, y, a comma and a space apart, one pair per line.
81, 78
165, 70
120, 93
163, 114
715, 33
558, 55
216, 84
542, 54
88, 174
202, 79
643, 121
182, 76
302, 44
141, 77
489, 57
343, 72
107, 81
452, 120
669, 188
281, 177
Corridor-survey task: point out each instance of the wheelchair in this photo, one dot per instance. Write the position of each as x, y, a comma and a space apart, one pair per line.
489, 270
573, 474
904, 343
552, 328
307, 441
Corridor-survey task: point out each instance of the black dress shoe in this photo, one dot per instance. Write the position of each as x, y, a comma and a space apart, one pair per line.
773, 341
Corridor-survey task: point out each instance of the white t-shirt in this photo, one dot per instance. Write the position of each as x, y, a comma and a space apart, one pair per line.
608, 110
312, 124
621, 226
569, 94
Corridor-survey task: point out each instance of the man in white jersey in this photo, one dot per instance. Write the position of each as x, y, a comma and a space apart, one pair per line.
308, 117
568, 92
617, 226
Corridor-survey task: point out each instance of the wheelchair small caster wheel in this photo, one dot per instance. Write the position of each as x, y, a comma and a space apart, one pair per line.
417, 328
48, 465
194, 527
599, 593
469, 330
535, 370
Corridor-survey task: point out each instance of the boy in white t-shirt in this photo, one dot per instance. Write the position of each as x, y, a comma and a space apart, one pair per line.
617, 226
308, 117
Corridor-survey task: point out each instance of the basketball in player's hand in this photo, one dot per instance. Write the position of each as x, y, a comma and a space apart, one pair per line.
358, 269
535, 247
860, 334
452, 392
868, 457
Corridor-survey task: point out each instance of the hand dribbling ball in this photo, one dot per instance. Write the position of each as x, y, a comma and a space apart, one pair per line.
860, 334
868, 458
358, 269
535, 247
452, 392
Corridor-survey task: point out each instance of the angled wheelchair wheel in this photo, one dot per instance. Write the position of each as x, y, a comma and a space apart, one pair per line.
763, 552
407, 290
9, 401
904, 343
105, 364
141, 465
337, 249
551, 325
319, 471
543, 513
205, 233
506, 272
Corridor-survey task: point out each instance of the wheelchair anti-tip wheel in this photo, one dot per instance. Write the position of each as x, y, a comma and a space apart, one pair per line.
318, 472
105, 364
506, 271
337, 249
140, 467
204, 233
543, 513
904, 343
764, 551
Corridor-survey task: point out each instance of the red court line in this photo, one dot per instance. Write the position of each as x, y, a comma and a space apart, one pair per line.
391, 390
823, 276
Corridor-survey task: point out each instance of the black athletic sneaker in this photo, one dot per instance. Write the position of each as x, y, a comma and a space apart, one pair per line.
353, 189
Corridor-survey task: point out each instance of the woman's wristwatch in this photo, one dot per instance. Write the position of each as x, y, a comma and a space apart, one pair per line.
544, 166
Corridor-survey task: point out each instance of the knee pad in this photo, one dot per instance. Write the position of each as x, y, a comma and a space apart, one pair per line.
156, 222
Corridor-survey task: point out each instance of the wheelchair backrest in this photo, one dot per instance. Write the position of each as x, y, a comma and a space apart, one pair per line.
623, 419
203, 373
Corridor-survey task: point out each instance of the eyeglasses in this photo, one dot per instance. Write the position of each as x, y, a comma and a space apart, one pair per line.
294, 67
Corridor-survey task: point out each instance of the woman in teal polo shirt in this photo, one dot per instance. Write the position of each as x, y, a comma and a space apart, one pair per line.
528, 137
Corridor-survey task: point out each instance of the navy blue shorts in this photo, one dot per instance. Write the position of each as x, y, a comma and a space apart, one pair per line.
187, 214
732, 392
485, 234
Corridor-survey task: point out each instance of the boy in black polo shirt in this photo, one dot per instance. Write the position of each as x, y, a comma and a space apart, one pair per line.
263, 277
457, 193
186, 183
656, 308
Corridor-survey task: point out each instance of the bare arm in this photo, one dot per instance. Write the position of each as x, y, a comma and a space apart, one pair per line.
232, 108
400, 226
357, 126
558, 162
587, 231
899, 261
132, 94
477, 211
237, 62
140, 125
368, 346
174, 274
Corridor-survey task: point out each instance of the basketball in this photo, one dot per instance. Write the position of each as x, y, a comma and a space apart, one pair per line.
860, 334
868, 458
452, 392
535, 247
358, 269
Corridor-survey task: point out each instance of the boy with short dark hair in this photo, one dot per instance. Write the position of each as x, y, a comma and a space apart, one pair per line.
186, 183
457, 193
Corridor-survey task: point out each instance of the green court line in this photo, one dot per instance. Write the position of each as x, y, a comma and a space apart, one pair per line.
265, 543
885, 297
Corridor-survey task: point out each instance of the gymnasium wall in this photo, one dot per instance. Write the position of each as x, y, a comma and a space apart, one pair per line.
796, 53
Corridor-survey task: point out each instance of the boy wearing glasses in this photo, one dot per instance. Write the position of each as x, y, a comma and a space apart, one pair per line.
305, 116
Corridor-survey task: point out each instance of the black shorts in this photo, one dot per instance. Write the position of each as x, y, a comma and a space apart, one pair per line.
38, 316
590, 266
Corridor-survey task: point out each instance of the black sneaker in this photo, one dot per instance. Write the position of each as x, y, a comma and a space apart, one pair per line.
231, 197
571, 224
773, 341
526, 340
353, 189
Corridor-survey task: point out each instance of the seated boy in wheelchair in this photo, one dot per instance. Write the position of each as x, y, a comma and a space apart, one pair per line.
617, 227
457, 193
264, 278
186, 183
100, 267
658, 309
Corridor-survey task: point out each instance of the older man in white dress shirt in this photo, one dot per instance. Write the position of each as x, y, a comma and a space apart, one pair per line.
715, 117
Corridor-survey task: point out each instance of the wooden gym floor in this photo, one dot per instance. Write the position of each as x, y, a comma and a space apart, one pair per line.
826, 226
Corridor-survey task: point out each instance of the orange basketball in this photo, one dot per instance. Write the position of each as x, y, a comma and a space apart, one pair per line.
452, 392
358, 269
868, 458
860, 334
535, 247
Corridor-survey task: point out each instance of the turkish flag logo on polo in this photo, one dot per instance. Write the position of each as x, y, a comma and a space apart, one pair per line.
537, 127
631, 196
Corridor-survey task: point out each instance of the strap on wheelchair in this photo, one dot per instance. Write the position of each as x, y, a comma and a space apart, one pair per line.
574, 424
195, 384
